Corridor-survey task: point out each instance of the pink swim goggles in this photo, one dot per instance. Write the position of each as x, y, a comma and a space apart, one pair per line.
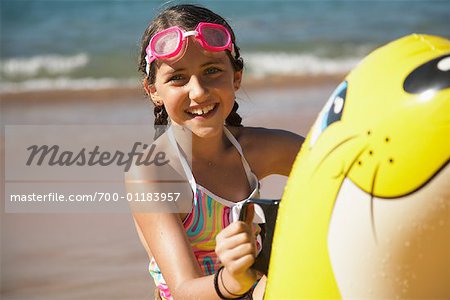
171, 42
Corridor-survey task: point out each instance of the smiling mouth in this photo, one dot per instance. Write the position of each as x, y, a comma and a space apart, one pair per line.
204, 111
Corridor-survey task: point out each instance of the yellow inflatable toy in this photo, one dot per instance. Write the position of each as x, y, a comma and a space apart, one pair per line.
366, 210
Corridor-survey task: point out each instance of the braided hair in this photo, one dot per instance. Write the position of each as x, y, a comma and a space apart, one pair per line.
186, 16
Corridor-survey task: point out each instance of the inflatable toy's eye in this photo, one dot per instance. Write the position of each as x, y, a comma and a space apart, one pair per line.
331, 112
431, 76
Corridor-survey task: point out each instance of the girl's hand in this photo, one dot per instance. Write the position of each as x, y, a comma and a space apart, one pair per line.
236, 249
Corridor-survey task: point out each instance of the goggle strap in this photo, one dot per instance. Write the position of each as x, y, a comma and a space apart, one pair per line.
147, 65
189, 33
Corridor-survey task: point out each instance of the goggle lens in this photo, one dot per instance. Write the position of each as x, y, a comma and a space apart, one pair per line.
166, 43
215, 37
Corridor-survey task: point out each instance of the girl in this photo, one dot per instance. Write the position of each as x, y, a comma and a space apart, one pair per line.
192, 69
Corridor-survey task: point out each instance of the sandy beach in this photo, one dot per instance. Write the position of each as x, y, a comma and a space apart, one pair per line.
99, 256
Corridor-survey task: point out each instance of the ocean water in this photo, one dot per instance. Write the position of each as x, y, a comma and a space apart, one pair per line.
68, 44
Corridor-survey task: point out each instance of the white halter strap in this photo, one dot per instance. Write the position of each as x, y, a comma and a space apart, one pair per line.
187, 168
184, 164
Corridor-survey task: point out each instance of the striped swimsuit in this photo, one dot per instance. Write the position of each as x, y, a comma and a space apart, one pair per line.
208, 216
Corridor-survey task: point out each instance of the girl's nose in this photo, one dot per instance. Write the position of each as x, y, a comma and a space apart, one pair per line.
198, 92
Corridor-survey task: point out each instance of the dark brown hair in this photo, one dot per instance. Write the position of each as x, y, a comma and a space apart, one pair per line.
186, 16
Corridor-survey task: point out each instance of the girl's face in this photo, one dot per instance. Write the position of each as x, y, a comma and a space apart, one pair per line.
198, 91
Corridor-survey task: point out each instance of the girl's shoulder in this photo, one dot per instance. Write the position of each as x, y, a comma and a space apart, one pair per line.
168, 167
156, 186
268, 151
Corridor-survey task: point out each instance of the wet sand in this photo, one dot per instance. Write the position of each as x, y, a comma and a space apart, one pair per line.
99, 256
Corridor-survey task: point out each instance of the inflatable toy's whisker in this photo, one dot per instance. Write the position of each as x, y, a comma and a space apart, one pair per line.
341, 172
372, 214
348, 171
333, 149
354, 161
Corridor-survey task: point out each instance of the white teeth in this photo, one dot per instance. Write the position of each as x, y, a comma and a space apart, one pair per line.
204, 110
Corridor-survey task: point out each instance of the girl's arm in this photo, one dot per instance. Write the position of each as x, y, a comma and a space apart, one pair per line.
168, 243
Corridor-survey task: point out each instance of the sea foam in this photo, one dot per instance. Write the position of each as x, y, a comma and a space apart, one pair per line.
51, 64
65, 83
261, 64
257, 65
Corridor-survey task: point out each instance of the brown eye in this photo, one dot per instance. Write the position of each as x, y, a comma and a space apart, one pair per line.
175, 78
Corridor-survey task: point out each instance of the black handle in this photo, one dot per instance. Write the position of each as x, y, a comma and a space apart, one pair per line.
270, 209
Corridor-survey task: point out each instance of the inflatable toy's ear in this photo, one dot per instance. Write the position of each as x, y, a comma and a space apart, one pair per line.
366, 209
